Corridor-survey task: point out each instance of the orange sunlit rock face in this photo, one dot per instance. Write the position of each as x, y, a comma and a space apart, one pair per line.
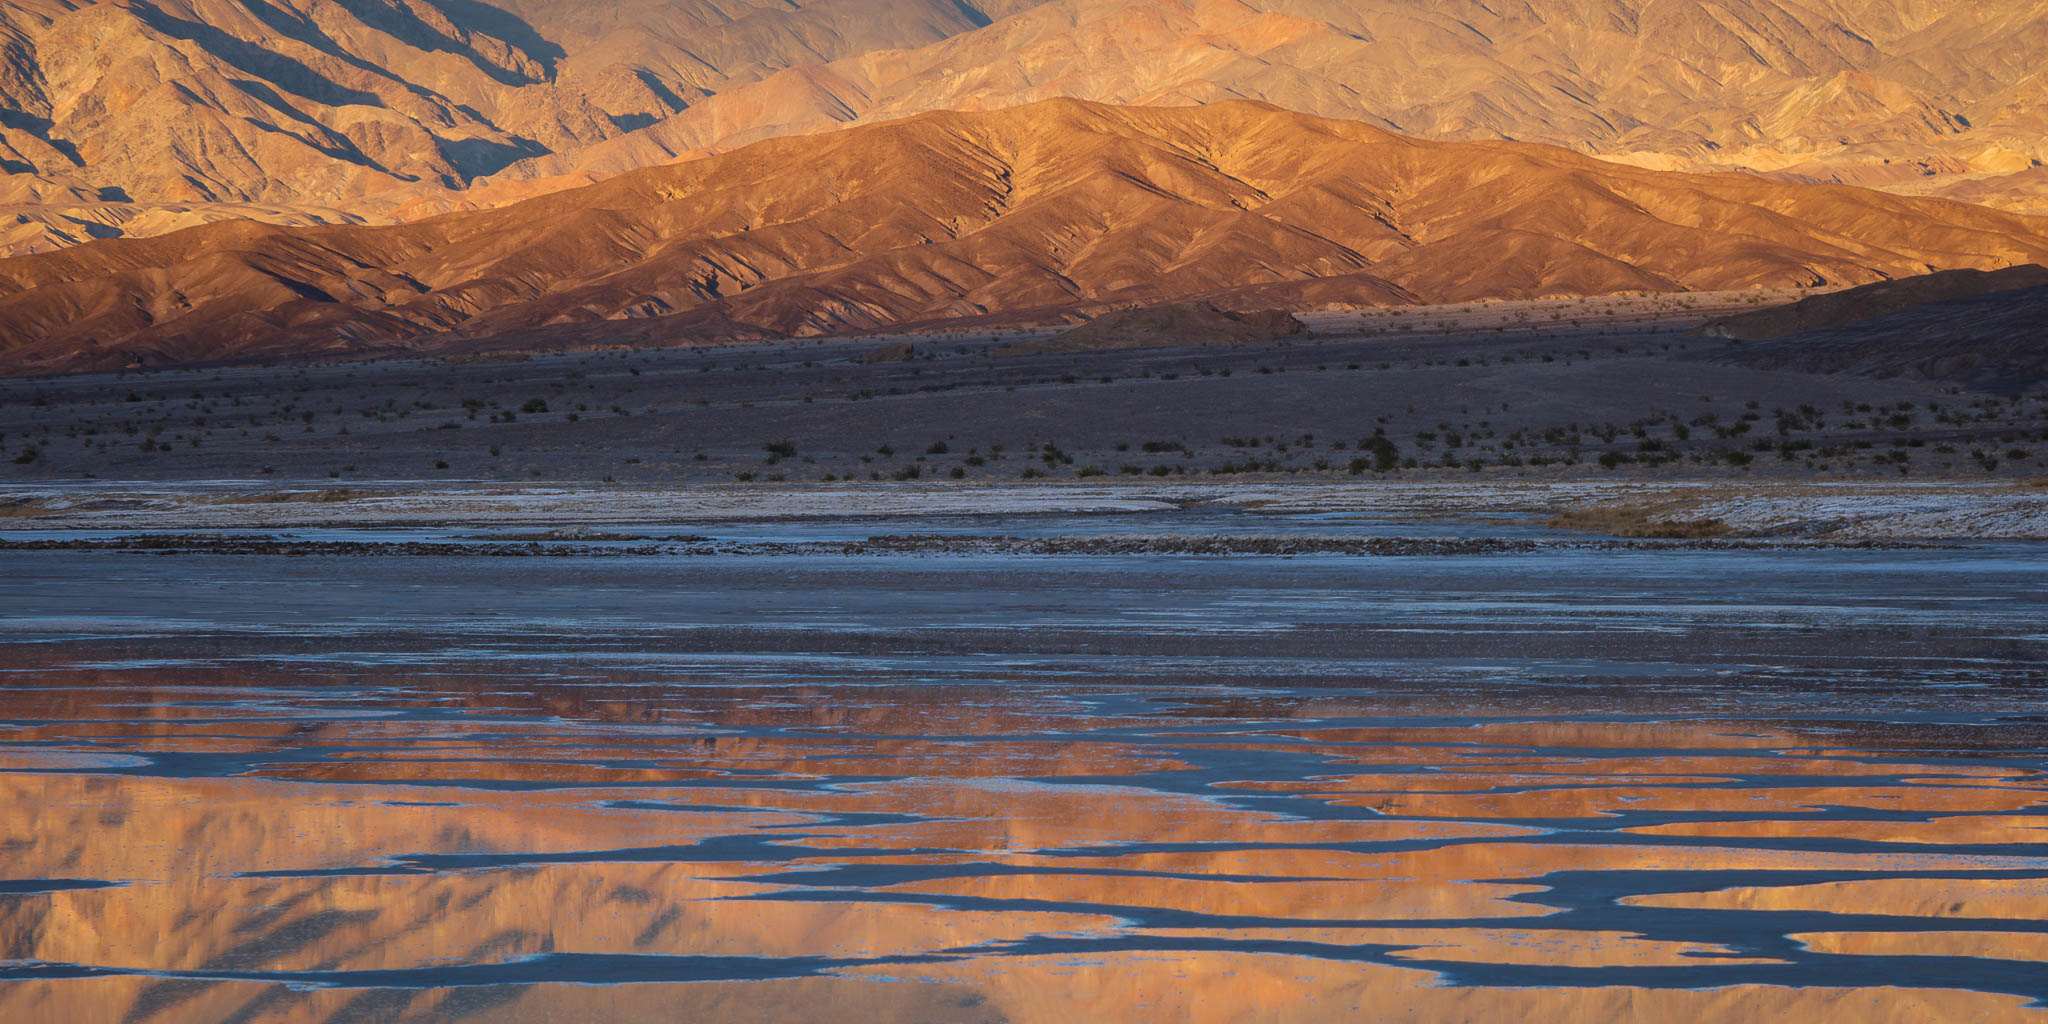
187, 845
140, 118
1027, 214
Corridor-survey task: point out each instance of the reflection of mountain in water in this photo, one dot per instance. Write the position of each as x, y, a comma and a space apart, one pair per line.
1184, 855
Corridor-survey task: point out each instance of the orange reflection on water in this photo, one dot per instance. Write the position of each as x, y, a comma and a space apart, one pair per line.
2020, 947
2020, 899
1531, 945
1011, 864
1245, 987
358, 923
1955, 829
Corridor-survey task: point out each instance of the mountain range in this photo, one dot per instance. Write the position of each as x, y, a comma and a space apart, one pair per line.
1030, 213
139, 117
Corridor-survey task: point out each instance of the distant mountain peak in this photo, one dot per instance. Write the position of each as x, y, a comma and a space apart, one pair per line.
128, 116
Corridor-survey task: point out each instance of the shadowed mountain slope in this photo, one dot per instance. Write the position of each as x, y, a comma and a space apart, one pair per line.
1173, 325
1852, 304
1042, 210
1995, 342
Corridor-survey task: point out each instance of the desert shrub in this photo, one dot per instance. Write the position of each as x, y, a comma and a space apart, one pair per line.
1382, 451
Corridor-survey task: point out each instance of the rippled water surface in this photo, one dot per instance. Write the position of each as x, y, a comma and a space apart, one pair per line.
1656, 785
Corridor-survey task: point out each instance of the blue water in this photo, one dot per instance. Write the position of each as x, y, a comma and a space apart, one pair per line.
1568, 783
